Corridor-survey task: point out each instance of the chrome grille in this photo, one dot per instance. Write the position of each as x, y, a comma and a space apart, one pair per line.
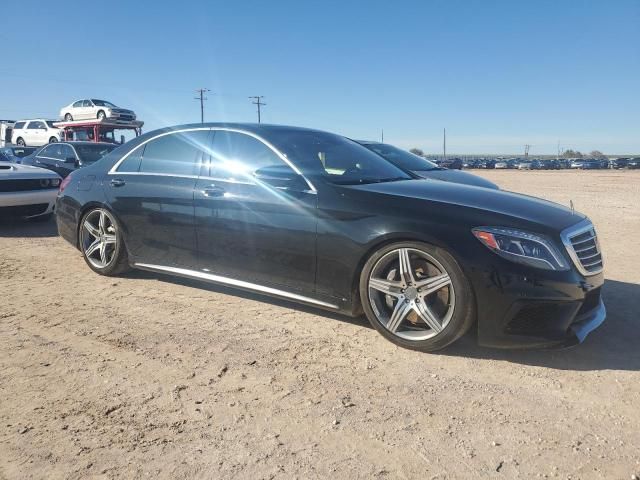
582, 244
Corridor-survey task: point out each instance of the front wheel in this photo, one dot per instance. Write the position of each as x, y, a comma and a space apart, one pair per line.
101, 242
416, 296
21, 142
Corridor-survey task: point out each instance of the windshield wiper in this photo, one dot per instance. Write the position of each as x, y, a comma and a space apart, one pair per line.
393, 179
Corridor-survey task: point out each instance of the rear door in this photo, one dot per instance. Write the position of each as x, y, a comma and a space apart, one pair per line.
35, 133
151, 194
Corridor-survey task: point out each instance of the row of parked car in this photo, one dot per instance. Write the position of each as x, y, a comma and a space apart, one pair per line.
553, 164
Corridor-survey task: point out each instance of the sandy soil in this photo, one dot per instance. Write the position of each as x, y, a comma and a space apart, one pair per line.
149, 376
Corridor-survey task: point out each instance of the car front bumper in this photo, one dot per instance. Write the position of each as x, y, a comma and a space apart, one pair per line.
28, 204
525, 309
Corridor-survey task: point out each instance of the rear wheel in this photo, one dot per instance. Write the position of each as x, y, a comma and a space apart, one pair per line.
53, 140
101, 115
101, 242
68, 117
416, 296
20, 142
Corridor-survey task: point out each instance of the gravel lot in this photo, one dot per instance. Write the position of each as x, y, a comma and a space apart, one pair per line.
149, 376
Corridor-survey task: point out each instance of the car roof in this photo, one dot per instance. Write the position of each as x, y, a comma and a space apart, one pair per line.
85, 142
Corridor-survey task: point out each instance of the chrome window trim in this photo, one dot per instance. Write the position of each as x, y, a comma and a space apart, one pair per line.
233, 282
114, 169
573, 231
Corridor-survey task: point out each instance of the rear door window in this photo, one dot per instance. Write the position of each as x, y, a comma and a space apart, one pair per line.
35, 125
178, 153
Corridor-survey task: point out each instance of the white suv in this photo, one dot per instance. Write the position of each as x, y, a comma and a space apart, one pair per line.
91, 109
35, 132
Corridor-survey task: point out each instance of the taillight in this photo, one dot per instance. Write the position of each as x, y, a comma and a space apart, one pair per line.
64, 183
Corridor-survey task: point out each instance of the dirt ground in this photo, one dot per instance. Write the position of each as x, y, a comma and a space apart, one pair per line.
149, 376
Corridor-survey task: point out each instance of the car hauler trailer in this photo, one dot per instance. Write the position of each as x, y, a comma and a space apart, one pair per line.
5, 132
98, 130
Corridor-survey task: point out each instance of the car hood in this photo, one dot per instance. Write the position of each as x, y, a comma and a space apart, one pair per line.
13, 171
456, 176
547, 215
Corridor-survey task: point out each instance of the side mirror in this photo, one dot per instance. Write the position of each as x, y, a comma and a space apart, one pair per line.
71, 160
281, 176
121, 139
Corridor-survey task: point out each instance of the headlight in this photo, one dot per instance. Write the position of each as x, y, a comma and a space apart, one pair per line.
522, 247
55, 182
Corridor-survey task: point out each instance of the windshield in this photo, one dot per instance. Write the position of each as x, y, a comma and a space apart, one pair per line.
92, 153
401, 158
103, 103
340, 160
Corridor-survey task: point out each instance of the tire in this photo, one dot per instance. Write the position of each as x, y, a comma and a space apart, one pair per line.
421, 296
68, 117
21, 142
104, 223
101, 115
53, 140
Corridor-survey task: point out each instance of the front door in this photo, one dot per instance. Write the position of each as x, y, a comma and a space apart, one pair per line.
151, 193
249, 229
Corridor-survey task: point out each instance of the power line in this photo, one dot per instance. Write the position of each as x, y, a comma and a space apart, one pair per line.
258, 102
202, 98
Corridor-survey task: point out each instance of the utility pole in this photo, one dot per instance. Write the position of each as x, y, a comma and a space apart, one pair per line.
526, 151
258, 102
382, 136
201, 92
444, 143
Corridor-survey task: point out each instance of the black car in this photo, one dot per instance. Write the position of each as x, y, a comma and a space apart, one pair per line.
319, 219
423, 167
618, 163
14, 154
593, 164
634, 163
452, 163
65, 157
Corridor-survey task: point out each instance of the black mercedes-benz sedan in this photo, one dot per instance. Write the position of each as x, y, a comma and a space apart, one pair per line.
317, 218
423, 167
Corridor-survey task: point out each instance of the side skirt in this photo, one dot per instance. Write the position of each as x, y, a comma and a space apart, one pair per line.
209, 277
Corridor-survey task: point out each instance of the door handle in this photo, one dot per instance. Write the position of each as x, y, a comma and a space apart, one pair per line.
117, 182
213, 191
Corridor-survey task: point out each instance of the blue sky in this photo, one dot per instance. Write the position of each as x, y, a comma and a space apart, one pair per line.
496, 74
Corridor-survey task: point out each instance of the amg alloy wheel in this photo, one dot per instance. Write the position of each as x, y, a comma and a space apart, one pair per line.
101, 242
416, 296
